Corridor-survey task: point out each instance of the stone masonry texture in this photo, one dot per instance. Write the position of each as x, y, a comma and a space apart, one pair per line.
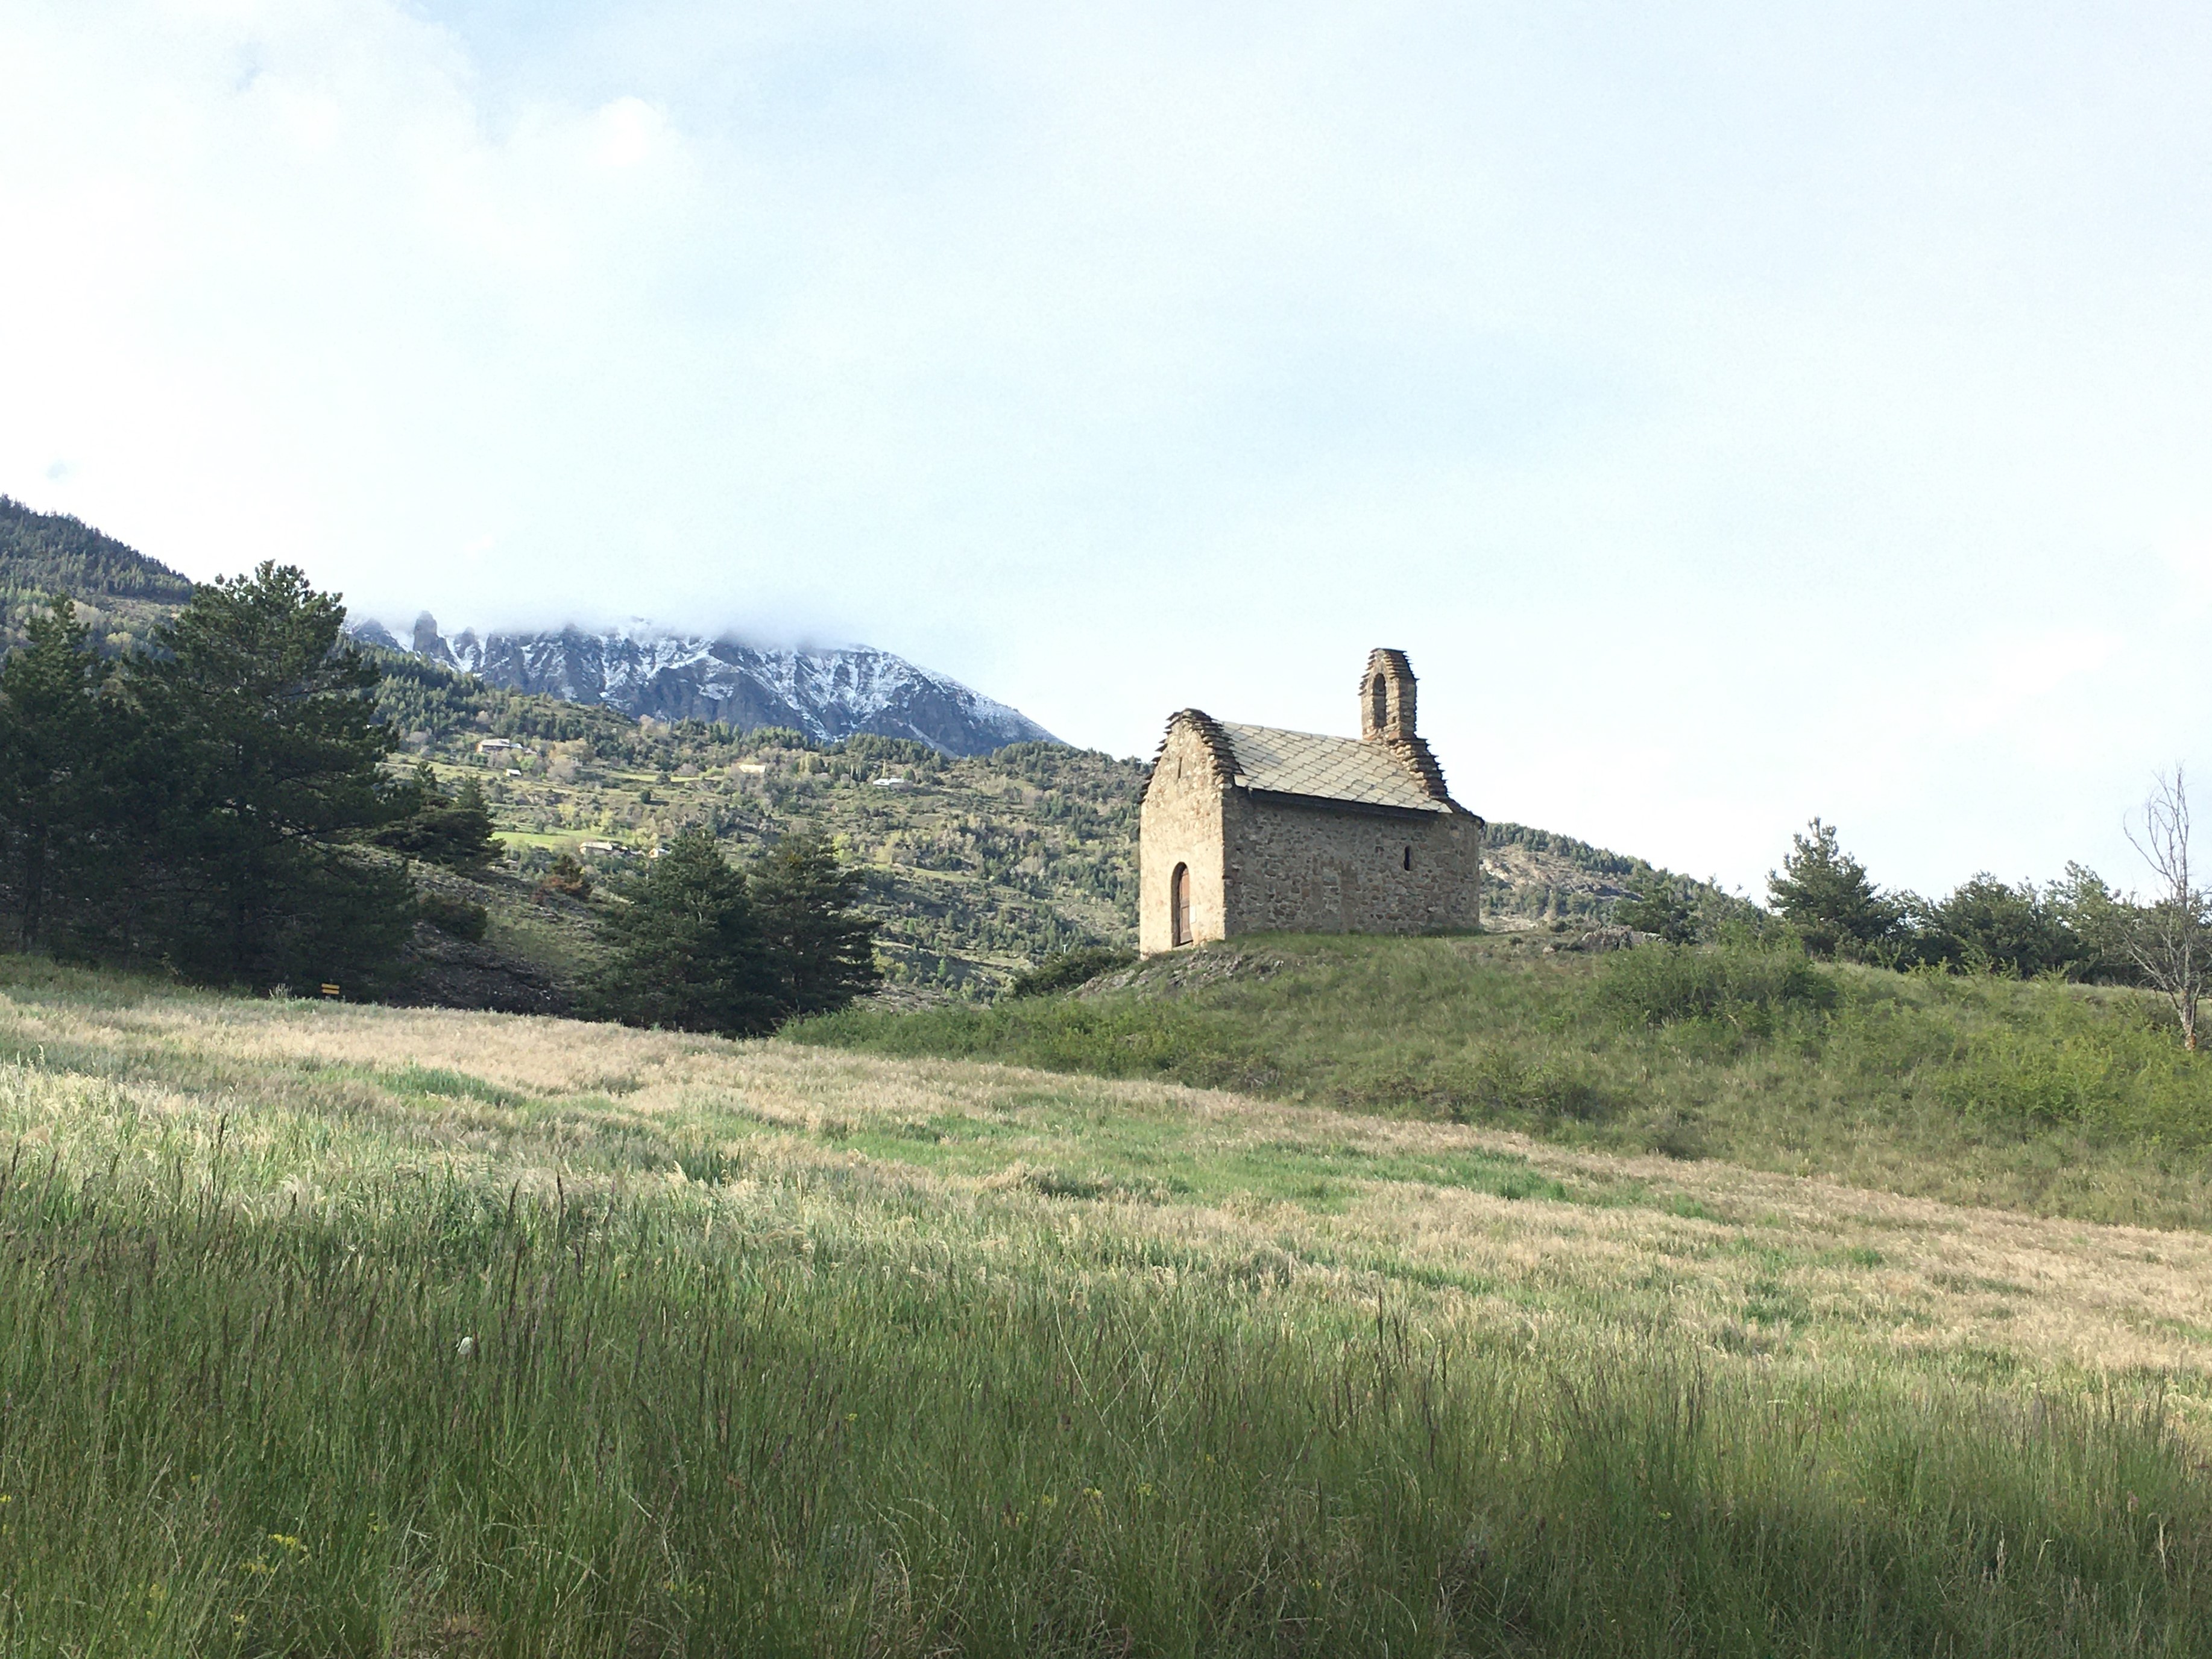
1321, 853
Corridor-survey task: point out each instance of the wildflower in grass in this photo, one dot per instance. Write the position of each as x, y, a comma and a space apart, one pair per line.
465, 1347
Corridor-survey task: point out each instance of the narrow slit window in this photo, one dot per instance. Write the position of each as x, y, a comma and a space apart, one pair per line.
1179, 903
1409, 858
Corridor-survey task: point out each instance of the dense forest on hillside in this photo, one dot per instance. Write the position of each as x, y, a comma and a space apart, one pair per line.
121, 592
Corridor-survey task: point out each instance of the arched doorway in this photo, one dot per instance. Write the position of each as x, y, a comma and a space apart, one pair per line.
1179, 906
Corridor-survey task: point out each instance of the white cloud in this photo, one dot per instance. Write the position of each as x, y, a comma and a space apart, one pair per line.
626, 132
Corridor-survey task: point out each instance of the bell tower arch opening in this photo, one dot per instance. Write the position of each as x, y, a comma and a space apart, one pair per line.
1386, 698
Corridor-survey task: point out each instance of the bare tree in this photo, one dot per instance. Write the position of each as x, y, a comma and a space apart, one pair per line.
2169, 939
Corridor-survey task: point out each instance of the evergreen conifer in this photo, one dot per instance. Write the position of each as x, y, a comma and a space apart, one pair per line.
686, 952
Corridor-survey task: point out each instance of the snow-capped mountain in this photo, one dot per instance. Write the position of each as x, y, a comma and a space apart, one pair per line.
827, 694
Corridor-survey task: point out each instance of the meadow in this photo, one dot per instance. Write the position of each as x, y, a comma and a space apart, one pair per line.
2059, 1100
339, 1329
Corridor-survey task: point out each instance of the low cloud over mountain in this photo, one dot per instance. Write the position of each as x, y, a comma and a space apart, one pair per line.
828, 694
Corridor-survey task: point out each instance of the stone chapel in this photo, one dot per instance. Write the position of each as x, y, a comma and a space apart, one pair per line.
1246, 828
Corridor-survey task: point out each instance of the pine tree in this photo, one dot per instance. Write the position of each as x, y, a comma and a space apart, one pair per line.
1823, 893
258, 765
686, 952
823, 950
453, 831
55, 751
1992, 927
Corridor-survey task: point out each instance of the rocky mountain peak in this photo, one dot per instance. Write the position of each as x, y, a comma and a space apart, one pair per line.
829, 694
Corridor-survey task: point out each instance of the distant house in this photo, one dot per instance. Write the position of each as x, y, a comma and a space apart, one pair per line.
496, 746
1251, 828
889, 783
604, 848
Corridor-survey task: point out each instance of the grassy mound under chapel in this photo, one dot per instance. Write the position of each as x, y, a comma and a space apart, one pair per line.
343, 1329
2056, 1099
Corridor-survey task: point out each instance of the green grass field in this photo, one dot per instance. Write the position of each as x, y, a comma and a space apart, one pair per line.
328, 1329
2060, 1100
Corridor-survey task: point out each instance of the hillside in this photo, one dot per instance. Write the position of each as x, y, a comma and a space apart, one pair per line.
2061, 1100
979, 865
42, 554
1532, 876
343, 1329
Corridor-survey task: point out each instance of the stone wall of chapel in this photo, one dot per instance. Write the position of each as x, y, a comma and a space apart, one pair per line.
1299, 868
1181, 823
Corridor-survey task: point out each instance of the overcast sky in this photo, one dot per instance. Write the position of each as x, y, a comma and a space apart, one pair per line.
1739, 412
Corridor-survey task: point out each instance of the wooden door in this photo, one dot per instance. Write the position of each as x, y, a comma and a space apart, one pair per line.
1179, 890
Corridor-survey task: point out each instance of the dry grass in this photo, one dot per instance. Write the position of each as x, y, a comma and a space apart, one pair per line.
1490, 1227
333, 1329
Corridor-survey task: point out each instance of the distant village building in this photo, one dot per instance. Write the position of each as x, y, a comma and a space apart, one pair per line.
1247, 829
496, 746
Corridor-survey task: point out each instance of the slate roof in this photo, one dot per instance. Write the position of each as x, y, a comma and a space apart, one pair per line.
1330, 769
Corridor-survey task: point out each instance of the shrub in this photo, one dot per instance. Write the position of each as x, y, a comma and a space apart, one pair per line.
1745, 986
567, 878
2061, 1061
1069, 968
1504, 1083
459, 917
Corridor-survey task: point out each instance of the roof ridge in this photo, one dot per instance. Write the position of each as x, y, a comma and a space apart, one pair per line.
1286, 731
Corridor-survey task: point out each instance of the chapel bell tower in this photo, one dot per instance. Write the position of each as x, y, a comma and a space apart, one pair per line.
1386, 698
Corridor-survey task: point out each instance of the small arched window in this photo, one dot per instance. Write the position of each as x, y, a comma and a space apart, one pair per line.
1179, 905
1409, 858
